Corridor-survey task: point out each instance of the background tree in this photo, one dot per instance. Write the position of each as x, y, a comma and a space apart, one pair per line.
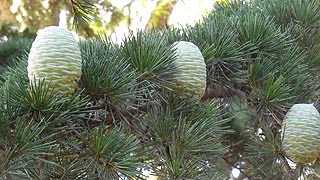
104, 15
160, 15
6, 16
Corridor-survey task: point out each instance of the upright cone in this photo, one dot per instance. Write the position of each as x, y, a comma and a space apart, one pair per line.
301, 133
55, 56
191, 70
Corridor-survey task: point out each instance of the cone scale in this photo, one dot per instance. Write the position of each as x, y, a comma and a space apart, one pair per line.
301, 133
55, 56
191, 70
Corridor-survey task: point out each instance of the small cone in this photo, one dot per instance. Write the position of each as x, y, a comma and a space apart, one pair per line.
55, 56
301, 133
191, 70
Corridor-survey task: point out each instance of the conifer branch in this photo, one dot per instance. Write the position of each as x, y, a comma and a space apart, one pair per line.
290, 172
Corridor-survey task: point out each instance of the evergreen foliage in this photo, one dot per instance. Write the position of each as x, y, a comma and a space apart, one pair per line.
125, 119
13, 48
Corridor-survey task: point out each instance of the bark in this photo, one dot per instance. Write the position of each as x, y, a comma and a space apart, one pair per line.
54, 10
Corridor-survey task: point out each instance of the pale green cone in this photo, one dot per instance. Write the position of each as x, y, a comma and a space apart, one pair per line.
301, 137
191, 70
55, 56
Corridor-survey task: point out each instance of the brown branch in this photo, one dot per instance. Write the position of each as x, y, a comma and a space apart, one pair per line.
287, 167
73, 4
216, 91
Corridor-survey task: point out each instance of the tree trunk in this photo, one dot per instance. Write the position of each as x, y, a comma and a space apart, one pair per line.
54, 9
